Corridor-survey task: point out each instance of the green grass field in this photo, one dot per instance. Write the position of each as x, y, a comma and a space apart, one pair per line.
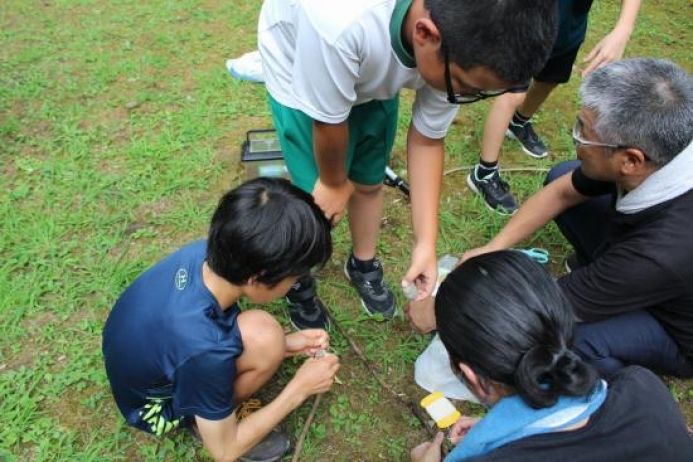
119, 130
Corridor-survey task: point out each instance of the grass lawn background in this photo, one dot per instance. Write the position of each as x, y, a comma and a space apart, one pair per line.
119, 130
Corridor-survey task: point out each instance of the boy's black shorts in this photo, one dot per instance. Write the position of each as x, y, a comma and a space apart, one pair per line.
558, 68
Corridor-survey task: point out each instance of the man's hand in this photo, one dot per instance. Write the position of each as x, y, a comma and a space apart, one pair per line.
315, 375
461, 428
422, 272
422, 315
608, 50
333, 199
428, 451
476, 252
308, 342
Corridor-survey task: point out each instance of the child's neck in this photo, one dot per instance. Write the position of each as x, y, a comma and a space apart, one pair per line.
226, 293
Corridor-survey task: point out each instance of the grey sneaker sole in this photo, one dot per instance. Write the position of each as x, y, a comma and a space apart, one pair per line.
512, 136
363, 304
473, 187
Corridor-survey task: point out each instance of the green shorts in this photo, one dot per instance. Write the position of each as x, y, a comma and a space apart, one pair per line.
372, 130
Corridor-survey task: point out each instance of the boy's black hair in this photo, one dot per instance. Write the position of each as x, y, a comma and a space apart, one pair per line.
504, 316
512, 38
269, 229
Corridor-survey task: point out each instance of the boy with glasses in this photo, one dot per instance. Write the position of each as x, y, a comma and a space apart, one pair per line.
333, 72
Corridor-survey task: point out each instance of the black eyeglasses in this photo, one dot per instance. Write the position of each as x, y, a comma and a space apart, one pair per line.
466, 98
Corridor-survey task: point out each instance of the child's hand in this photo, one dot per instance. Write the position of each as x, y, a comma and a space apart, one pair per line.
461, 428
422, 272
308, 342
428, 451
421, 315
315, 375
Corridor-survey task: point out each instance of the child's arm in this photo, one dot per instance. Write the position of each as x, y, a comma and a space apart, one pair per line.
612, 46
425, 166
333, 188
227, 439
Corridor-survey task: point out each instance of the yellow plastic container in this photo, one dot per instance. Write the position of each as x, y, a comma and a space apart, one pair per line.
440, 409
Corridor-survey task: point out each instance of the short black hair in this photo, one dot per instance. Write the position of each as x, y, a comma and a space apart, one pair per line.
512, 38
269, 229
504, 316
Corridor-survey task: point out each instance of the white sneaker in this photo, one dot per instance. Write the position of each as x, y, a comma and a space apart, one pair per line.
247, 67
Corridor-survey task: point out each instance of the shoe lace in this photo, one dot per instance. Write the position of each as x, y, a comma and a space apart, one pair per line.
375, 287
498, 183
247, 407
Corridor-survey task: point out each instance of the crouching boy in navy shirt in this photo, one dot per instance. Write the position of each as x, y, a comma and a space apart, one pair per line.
178, 350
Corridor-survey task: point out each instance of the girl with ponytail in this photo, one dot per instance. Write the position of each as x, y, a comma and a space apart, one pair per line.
508, 330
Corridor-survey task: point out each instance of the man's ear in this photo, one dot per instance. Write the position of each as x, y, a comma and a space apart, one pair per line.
634, 162
426, 33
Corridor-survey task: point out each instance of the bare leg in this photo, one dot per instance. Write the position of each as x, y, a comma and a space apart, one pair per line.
365, 213
536, 95
263, 352
497, 123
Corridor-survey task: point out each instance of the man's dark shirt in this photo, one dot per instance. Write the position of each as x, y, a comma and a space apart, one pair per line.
646, 263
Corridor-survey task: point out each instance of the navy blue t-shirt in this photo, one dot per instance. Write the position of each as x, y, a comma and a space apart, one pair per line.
170, 350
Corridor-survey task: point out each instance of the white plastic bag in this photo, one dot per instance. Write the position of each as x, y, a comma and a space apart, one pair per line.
432, 372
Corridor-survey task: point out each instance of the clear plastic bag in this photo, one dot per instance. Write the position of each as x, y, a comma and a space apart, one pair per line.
432, 372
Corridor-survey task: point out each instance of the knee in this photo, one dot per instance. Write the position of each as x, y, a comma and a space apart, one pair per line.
509, 102
262, 336
368, 190
561, 169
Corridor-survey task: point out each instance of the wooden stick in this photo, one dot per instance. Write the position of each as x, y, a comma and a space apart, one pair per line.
306, 427
402, 398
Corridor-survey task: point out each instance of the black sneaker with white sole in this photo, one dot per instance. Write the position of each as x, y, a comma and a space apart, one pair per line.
376, 296
494, 191
306, 310
531, 144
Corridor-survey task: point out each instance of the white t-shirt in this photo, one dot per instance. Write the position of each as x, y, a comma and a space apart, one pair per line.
323, 57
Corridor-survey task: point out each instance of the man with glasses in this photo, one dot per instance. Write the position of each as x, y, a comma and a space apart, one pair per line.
333, 71
626, 207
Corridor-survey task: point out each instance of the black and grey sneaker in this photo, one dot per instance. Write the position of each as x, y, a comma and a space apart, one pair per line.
531, 144
494, 191
270, 449
306, 310
376, 296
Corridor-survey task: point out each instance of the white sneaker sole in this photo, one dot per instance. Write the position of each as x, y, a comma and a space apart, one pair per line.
512, 136
473, 187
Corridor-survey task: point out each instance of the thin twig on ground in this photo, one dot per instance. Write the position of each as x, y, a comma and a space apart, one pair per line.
467, 168
402, 398
306, 426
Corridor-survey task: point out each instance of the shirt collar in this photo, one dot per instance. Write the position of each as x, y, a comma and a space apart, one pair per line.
396, 21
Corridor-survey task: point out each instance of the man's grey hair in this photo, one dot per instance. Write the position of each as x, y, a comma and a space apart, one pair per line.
644, 103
